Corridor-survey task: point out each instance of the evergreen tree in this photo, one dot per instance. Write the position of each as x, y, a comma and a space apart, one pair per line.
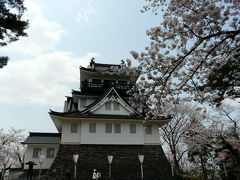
12, 26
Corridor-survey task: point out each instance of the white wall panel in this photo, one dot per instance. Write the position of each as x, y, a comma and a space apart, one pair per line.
47, 161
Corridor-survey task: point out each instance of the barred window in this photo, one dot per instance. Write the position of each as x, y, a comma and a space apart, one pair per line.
117, 128
50, 153
108, 128
133, 128
108, 106
36, 152
92, 127
148, 129
74, 127
116, 106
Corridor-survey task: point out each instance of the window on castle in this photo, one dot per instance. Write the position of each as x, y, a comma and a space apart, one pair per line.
50, 153
116, 106
82, 103
148, 129
92, 127
133, 128
108, 128
117, 128
108, 106
36, 152
74, 127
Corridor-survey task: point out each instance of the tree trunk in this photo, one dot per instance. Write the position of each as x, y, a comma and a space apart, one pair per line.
176, 166
2, 174
175, 162
21, 161
203, 169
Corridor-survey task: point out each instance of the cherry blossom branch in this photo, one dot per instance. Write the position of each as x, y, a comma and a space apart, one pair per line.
184, 25
203, 60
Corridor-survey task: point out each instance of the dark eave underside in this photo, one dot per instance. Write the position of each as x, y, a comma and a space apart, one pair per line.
44, 134
90, 93
85, 93
78, 114
101, 116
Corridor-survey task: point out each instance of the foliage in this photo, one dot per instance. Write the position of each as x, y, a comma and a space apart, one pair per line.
3, 61
223, 81
194, 39
12, 26
189, 177
12, 152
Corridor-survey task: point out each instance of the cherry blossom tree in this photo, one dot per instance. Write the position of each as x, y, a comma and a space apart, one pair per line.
173, 134
11, 151
228, 134
200, 141
220, 133
194, 39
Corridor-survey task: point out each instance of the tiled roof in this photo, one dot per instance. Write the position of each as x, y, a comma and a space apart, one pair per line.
42, 138
102, 116
100, 67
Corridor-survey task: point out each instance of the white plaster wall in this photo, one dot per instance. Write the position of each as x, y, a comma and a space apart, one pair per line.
100, 137
152, 138
65, 106
47, 161
67, 136
79, 107
88, 102
122, 111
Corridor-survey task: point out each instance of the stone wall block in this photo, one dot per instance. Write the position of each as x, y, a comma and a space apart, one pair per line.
125, 165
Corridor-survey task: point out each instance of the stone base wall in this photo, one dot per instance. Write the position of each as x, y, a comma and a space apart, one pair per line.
125, 165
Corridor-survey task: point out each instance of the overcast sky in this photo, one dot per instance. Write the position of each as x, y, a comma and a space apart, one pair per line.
44, 66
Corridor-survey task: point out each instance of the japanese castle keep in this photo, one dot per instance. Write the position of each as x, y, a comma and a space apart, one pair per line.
98, 121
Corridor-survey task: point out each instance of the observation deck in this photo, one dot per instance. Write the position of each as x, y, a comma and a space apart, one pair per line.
100, 87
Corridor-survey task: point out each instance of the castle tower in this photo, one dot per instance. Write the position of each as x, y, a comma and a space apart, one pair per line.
98, 121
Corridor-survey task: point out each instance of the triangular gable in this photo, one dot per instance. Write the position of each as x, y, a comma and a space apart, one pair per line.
113, 97
112, 106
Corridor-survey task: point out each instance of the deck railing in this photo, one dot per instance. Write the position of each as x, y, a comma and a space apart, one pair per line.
86, 84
